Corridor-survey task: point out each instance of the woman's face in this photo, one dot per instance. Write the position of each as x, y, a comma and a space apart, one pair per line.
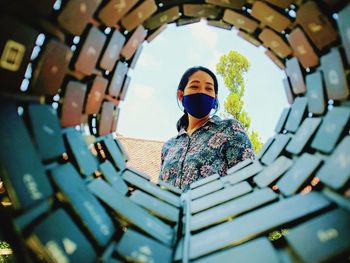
198, 82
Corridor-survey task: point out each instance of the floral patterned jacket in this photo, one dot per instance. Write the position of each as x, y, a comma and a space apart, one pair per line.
212, 148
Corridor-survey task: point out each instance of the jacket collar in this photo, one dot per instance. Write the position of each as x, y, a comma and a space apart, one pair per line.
214, 119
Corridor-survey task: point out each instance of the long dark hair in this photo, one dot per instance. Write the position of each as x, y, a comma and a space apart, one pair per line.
183, 121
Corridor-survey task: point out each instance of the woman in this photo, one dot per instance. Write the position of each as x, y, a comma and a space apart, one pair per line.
205, 144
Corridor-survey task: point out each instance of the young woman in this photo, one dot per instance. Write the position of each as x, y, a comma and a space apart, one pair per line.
205, 144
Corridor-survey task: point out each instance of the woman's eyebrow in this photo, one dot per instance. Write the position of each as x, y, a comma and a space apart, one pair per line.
205, 82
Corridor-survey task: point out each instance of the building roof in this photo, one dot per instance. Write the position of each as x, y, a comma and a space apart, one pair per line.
144, 155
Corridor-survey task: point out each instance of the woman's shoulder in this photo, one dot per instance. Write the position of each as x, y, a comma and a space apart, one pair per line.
236, 132
170, 142
231, 124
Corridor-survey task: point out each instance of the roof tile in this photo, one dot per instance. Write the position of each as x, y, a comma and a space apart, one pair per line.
144, 155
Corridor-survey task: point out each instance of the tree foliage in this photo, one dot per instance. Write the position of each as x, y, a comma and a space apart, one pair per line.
233, 67
256, 141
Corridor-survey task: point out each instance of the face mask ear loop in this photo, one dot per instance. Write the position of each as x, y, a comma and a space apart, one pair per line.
178, 104
216, 107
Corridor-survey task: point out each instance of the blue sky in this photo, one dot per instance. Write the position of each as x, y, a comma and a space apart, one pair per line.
151, 111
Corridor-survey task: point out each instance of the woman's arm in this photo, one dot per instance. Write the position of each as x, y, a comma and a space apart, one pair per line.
162, 155
238, 146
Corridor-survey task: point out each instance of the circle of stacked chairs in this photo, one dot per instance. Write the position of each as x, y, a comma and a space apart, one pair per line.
67, 194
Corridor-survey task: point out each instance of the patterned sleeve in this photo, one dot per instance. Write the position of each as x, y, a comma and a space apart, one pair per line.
162, 155
238, 146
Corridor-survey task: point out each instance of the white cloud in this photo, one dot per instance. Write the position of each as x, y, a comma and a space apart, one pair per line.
193, 55
143, 91
214, 60
205, 34
148, 61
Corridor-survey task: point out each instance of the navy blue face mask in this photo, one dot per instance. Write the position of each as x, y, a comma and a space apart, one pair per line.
199, 104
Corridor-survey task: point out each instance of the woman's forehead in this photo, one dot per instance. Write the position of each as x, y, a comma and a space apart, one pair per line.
201, 76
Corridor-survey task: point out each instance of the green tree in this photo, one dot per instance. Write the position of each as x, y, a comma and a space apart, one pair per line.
256, 141
233, 67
